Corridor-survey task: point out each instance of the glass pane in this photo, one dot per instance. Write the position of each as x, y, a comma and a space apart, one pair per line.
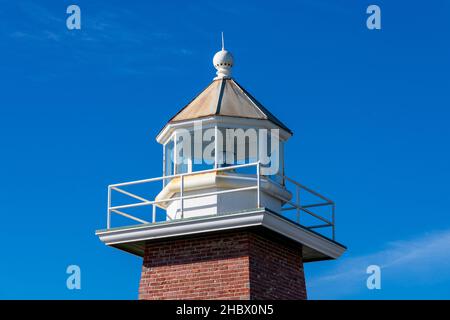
274, 154
202, 158
239, 147
184, 153
169, 158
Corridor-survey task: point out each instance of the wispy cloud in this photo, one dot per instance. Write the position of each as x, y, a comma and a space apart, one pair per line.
426, 259
43, 35
106, 26
185, 52
39, 13
111, 39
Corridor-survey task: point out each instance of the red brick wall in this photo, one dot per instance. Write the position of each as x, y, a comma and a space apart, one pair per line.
276, 270
237, 265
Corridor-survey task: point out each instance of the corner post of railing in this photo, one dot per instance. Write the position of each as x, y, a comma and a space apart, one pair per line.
258, 184
108, 211
333, 213
181, 196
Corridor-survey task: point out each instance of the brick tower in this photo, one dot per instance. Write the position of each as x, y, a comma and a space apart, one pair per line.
224, 221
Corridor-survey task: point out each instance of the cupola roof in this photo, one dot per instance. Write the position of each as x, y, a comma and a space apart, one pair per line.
225, 97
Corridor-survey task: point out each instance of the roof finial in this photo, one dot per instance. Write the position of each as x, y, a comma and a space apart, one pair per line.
223, 61
223, 42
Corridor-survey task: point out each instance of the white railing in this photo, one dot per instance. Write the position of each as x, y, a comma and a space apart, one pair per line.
142, 201
306, 208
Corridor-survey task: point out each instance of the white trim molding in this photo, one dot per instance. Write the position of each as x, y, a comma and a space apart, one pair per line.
132, 239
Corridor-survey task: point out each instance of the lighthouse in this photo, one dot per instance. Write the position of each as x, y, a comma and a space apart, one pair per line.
224, 220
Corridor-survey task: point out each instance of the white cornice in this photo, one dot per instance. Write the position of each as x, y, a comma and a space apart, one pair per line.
221, 121
130, 237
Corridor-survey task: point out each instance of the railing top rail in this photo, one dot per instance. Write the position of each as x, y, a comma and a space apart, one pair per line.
149, 202
184, 174
309, 190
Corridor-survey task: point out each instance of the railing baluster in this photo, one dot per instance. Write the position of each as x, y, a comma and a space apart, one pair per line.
333, 209
181, 196
258, 184
108, 212
298, 203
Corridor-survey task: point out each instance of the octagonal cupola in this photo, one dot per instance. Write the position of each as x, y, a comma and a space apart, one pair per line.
223, 126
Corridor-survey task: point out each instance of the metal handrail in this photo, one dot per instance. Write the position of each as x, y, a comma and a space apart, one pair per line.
184, 174
306, 208
181, 198
294, 205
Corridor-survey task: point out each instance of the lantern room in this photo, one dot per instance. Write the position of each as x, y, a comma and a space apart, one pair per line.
224, 129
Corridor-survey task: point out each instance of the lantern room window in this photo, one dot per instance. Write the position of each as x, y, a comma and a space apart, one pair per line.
168, 158
182, 154
185, 153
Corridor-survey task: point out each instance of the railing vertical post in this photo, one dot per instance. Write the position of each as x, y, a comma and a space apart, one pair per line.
154, 214
297, 189
181, 196
108, 212
333, 209
258, 184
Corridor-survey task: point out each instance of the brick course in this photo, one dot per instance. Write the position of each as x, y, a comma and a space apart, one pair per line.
224, 265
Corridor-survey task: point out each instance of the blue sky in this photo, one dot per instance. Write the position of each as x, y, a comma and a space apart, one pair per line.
369, 110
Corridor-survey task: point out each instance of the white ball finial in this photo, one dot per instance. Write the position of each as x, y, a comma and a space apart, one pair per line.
223, 62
